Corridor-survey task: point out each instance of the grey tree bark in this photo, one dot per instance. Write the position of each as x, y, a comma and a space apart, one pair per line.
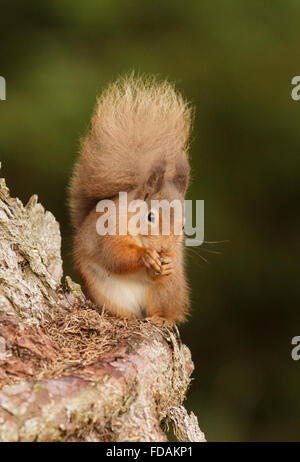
68, 371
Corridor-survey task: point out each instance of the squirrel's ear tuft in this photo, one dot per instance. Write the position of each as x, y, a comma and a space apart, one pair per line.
155, 179
181, 177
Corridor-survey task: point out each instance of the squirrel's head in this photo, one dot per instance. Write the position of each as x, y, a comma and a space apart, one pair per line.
162, 201
152, 214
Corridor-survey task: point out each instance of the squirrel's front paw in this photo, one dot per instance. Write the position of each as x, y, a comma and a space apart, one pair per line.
167, 265
152, 260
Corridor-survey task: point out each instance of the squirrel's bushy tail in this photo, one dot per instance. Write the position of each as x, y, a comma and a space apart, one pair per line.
137, 121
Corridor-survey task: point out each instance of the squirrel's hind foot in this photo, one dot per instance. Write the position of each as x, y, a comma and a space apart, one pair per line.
160, 321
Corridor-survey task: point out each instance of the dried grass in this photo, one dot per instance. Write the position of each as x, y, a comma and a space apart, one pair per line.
82, 337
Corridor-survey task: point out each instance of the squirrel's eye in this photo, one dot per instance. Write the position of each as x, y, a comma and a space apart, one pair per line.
151, 217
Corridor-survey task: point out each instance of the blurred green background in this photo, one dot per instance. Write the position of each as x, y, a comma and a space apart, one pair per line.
234, 60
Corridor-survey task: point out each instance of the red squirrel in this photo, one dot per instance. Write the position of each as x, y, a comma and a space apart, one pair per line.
137, 143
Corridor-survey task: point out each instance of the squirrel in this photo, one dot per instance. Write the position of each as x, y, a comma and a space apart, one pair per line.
137, 143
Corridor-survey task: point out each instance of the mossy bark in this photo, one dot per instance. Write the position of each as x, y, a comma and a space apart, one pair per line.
69, 372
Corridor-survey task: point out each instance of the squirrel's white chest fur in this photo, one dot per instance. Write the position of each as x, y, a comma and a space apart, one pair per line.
127, 291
